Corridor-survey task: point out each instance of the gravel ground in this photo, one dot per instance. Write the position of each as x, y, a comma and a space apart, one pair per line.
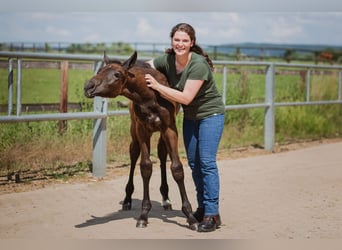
294, 193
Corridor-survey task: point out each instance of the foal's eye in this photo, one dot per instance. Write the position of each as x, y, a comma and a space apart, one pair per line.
117, 74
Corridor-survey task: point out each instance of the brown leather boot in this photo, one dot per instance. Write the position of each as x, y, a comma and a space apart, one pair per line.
209, 223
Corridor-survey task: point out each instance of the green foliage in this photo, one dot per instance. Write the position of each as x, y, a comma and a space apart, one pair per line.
304, 122
40, 145
43, 85
98, 48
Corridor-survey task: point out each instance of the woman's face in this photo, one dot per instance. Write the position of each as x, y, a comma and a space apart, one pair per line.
181, 43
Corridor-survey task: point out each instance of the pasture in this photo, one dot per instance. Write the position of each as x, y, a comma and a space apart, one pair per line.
38, 146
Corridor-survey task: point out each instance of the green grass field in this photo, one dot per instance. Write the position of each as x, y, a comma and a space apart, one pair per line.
39, 145
43, 85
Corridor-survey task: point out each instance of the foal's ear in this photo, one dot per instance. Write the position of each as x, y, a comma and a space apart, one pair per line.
130, 74
130, 61
106, 58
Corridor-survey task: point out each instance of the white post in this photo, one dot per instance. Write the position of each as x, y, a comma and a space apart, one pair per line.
100, 134
270, 109
100, 139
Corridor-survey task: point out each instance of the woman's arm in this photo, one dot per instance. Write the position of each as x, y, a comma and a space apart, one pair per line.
183, 97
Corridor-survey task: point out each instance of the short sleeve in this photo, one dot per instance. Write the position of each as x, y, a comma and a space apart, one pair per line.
160, 63
199, 71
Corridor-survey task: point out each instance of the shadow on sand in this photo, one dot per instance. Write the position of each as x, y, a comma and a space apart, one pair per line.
157, 211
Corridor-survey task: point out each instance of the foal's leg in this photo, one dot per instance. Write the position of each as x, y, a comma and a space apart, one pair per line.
164, 188
171, 139
134, 152
146, 172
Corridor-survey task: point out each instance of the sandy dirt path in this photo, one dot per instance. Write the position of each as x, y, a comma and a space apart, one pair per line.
294, 194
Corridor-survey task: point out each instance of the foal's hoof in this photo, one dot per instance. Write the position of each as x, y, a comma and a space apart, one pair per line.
193, 223
127, 206
193, 227
167, 205
141, 224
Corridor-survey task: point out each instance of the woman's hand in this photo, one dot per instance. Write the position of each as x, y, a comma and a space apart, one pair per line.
151, 82
183, 97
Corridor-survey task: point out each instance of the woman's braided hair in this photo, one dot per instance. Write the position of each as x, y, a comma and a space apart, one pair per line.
187, 28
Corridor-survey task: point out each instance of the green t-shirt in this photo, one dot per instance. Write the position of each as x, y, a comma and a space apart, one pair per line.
208, 100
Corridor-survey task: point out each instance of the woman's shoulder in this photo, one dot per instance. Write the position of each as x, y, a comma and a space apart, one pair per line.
197, 57
160, 57
165, 58
161, 61
199, 61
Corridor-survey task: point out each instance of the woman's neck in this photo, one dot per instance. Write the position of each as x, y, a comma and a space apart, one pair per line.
182, 61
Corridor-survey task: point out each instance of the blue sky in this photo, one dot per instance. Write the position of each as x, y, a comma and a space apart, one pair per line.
114, 23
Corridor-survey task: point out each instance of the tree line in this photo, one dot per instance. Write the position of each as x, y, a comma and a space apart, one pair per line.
326, 55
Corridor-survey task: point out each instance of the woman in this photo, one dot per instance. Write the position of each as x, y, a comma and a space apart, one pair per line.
189, 72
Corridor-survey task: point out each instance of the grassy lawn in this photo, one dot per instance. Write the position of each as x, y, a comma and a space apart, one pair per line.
39, 145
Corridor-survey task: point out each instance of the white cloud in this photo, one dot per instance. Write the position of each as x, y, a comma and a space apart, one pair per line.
223, 17
282, 28
58, 32
92, 38
211, 27
151, 29
229, 33
144, 27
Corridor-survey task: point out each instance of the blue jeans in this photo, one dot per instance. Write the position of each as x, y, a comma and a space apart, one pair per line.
201, 140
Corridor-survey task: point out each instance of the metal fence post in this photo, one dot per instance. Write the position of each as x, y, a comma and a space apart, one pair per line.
18, 86
100, 133
224, 85
270, 109
308, 81
339, 94
100, 138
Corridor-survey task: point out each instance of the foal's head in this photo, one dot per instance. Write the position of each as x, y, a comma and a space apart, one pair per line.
109, 80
